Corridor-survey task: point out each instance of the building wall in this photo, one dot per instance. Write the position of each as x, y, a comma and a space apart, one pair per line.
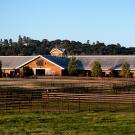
133, 72
40, 63
107, 72
57, 71
7, 71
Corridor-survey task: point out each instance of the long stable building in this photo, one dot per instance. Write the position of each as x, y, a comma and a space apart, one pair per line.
110, 64
57, 65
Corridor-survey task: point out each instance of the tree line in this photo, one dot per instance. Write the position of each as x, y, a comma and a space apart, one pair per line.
27, 46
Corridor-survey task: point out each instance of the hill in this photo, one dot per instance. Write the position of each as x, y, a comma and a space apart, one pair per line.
28, 46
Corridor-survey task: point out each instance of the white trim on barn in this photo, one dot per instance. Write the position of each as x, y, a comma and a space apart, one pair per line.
36, 58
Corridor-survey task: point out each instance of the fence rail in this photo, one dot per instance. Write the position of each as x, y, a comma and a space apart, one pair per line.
60, 101
67, 95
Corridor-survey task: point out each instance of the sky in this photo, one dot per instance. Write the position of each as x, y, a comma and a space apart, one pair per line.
108, 21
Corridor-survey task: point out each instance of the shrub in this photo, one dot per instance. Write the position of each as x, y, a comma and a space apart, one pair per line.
72, 66
96, 69
125, 72
27, 71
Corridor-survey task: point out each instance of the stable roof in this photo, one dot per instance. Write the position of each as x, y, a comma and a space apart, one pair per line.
13, 62
114, 62
61, 61
107, 62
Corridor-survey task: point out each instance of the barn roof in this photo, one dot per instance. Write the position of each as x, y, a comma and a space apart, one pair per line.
107, 61
84, 62
13, 62
61, 61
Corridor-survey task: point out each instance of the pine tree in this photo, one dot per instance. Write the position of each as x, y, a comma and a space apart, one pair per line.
125, 72
96, 69
10, 41
20, 40
72, 66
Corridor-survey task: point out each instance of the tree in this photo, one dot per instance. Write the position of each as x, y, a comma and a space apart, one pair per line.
27, 46
72, 66
1, 42
10, 41
6, 42
88, 42
27, 71
20, 40
0, 69
96, 69
24, 39
125, 72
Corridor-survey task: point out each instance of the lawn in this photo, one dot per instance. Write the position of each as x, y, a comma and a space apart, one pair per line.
102, 123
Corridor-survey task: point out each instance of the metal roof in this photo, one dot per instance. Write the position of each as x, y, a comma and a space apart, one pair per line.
13, 62
61, 61
107, 61
83, 62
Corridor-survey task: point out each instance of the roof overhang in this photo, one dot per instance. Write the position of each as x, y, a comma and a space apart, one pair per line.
8, 68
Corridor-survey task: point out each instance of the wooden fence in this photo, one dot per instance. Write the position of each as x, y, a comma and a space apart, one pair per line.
67, 94
44, 100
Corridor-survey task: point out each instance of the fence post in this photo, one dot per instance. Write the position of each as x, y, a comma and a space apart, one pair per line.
133, 105
62, 100
68, 105
6, 106
19, 106
79, 105
89, 107
110, 106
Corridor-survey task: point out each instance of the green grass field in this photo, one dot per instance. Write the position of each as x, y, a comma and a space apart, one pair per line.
102, 123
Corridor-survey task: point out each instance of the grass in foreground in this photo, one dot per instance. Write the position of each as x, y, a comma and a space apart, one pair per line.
103, 123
